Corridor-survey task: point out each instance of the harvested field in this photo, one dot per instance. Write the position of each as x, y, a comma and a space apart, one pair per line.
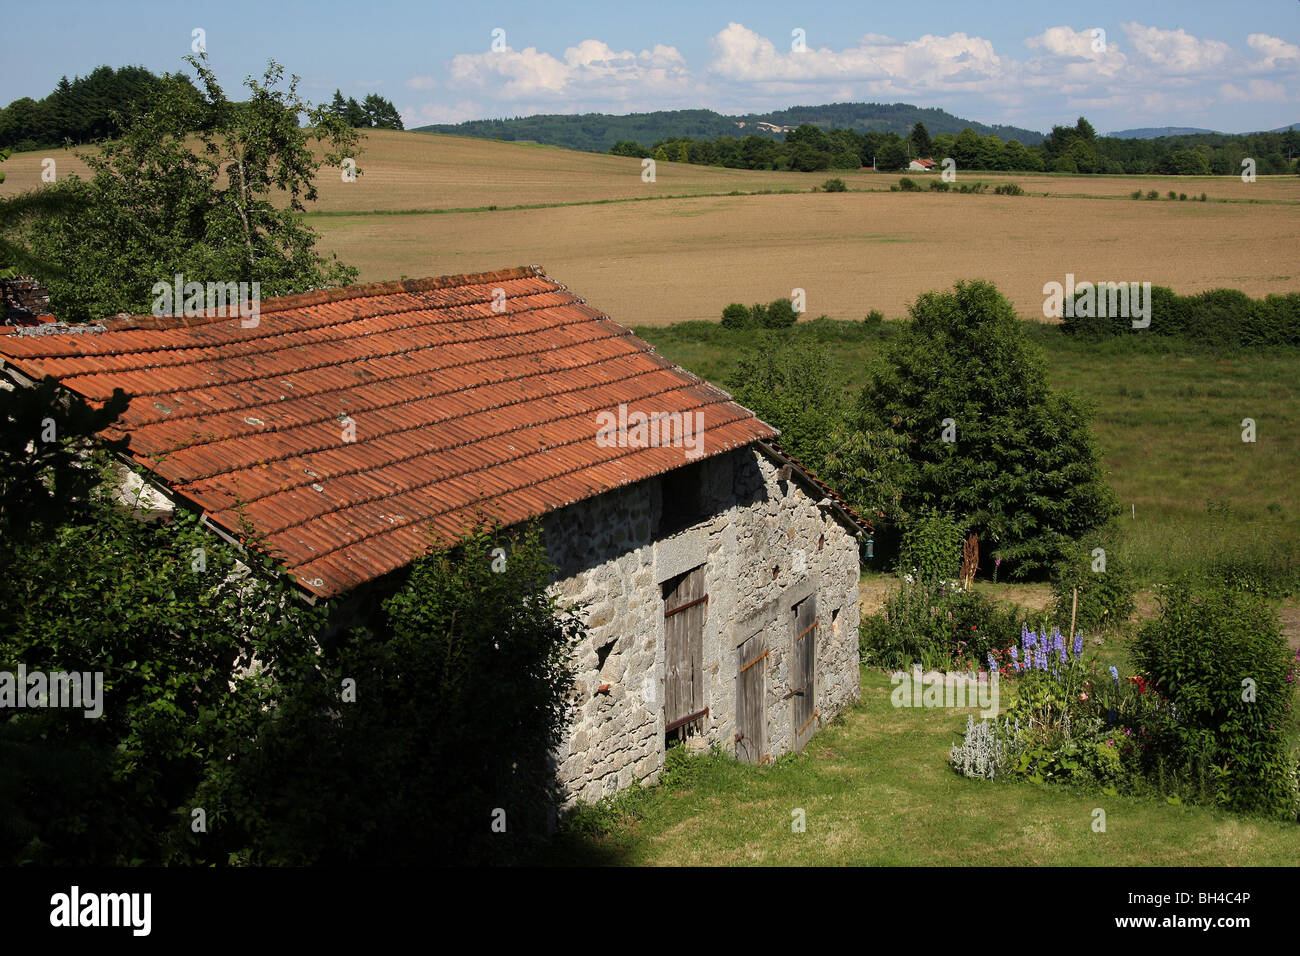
671, 260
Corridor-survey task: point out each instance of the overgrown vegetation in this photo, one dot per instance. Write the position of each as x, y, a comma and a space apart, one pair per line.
156, 207
778, 314
1205, 719
237, 724
1224, 318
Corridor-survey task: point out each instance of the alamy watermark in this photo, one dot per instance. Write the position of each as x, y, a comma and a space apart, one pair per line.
192, 299
626, 429
36, 689
939, 689
1125, 300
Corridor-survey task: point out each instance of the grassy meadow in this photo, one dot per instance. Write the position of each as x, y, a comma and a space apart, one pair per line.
876, 790
1167, 416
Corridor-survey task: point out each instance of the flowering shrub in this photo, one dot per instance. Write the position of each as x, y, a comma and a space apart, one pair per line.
937, 625
1203, 720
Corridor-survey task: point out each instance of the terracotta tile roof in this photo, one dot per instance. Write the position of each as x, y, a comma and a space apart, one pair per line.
457, 410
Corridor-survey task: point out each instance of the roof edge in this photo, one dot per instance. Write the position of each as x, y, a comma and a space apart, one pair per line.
301, 300
838, 505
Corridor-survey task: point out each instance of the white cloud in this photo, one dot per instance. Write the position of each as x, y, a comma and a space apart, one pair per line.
1177, 51
1274, 53
743, 56
1256, 91
590, 68
421, 83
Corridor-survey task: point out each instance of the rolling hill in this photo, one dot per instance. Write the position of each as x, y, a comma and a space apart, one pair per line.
597, 132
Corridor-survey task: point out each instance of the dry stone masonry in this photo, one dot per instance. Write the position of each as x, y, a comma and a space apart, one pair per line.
763, 545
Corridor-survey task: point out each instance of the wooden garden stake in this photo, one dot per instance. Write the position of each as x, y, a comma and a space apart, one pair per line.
1074, 608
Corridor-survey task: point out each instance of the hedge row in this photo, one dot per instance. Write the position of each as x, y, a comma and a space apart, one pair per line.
1217, 317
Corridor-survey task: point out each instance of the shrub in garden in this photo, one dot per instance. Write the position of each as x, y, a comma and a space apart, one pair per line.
937, 625
1219, 658
1105, 586
931, 546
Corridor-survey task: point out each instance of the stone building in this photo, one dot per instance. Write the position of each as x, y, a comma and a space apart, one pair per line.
351, 427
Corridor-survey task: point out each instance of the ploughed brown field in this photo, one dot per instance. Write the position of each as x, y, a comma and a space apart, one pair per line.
418, 209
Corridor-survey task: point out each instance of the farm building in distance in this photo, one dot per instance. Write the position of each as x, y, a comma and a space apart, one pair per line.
350, 427
921, 166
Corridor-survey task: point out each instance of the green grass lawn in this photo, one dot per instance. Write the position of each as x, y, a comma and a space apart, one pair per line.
1168, 419
876, 789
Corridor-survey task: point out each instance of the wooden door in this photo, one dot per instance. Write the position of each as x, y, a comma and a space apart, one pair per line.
751, 701
685, 605
803, 675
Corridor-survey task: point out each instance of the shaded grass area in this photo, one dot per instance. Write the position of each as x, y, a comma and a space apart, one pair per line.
1168, 417
876, 789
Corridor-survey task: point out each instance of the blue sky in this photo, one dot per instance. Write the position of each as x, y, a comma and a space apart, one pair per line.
1229, 66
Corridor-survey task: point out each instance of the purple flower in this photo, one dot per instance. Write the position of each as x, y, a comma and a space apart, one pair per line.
993, 664
1114, 674
1078, 644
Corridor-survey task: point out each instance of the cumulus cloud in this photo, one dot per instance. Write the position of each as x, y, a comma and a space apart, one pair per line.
1274, 53
743, 56
1153, 73
1255, 91
1177, 51
1071, 60
589, 67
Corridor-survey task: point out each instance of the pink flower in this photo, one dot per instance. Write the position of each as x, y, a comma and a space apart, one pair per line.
1083, 697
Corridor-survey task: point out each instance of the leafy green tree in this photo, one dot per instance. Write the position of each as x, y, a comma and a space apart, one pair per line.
984, 434
44, 442
157, 206
796, 387
813, 137
460, 702
381, 113
922, 147
780, 314
891, 156
628, 147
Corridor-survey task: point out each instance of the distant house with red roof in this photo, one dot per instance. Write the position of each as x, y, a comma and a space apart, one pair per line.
350, 427
921, 165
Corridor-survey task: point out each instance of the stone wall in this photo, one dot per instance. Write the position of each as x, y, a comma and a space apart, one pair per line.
612, 559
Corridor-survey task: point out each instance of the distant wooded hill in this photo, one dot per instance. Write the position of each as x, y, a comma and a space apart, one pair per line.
597, 132
1155, 132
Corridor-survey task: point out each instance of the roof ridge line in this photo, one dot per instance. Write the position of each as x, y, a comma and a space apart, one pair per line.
301, 300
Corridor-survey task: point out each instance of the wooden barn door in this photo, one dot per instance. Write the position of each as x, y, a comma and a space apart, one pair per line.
751, 701
685, 604
803, 670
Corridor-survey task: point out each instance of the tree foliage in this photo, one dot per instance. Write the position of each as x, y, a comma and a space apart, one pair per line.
984, 435
225, 211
